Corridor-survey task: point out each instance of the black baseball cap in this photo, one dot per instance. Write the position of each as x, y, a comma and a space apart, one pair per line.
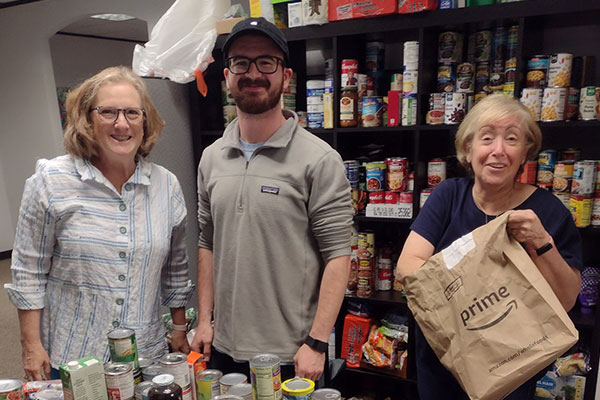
262, 27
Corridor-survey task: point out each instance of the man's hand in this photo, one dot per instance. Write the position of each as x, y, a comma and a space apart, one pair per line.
35, 360
179, 342
309, 363
203, 340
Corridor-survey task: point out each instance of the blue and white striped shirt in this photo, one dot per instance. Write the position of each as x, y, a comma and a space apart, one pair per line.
94, 259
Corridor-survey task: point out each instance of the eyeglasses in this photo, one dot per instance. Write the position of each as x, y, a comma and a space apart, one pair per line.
264, 64
133, 115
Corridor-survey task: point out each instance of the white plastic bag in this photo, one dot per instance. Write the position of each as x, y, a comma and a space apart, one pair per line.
182, 41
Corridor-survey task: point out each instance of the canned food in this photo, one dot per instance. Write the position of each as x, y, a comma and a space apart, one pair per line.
244, 390
349, 71
375, 176
326, 394
532, 99
436, 172
570, 154
297, 388
563, 175
144, 362
396, 82
391, 198
588, 104
119, 381
546, 164
595, 217
571, 104
176, 364
123, 347
151, 371
411, 56
372, 111
410, 81
425, 193
397, 171
352, 167
496, 84
141, 390
265, 374
465, 76
483, 45
559, 71
581, 209
376, 197
598, 178
384, 279
409, 111
584, 177
410, 184
450, 47
207, 383
529, 173
446, 78
553, 104
11, 389
537, 70
229, 380
405, 197
435, 115
455, 108
510, 71
482, 77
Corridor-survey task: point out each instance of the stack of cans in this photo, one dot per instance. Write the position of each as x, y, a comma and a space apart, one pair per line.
289, 95
366, 262
229, 111
410, 80
314, 102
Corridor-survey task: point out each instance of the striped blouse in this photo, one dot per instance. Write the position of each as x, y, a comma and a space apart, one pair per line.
94, 259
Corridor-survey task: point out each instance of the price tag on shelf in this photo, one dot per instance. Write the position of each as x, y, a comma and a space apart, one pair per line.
401, 211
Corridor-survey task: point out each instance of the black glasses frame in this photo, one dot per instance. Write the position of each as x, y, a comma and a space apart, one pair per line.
120, 110
253, 61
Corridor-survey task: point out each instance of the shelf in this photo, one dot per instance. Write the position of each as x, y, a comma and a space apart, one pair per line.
581, 320
319, 131
362, 218
211, 132
377, 129
381, 297
381, 373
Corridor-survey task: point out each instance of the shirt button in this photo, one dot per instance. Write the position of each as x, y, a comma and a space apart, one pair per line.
120, 302
115, 323
122, 254
123, 230
121, 277
122, 207
128, 186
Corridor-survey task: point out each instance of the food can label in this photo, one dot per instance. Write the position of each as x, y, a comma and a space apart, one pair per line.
435, 115
349, 71
581, 209
588, 104
409, 111
372, 110
449, 47
584, 177
455, 108
409, 83
595, 218
553, 104
436, 172
465, 74
532, 100
559, 71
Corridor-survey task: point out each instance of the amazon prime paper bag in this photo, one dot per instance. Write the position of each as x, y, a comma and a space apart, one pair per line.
487, 312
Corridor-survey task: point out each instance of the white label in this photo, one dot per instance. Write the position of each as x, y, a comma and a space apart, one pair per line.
401, 210
457, 250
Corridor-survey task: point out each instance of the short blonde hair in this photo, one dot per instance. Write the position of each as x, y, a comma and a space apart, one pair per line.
490, 109
79, 137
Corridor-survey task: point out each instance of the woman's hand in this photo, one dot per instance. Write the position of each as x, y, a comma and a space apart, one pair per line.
35, 360
525, 227
179, 342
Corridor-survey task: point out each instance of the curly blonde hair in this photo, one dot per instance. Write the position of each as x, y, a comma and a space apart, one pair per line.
493, 108
79, 137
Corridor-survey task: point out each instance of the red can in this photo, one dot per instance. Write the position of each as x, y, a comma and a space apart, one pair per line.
405, 197
397, 173
376, 197
390, 197
349, 71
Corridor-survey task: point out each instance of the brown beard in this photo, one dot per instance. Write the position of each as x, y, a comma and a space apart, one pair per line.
252, 104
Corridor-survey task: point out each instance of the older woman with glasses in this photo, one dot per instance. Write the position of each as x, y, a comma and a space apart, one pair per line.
100, 237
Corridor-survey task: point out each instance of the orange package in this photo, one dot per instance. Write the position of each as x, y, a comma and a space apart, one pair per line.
338, 10
356, 332
413, 6
196, 364
372, 8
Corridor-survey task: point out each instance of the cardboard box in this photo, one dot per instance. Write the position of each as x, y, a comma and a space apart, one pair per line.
84, 379
394, 107
560, 387
347, 9
413, 6
294, 15
339, 10
314, 13
226, 25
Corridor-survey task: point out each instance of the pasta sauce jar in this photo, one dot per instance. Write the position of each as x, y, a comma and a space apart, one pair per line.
349, 107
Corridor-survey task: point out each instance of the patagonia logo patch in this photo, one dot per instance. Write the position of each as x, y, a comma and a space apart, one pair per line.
269, 189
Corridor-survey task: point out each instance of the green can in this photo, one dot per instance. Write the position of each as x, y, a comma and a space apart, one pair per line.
123, 347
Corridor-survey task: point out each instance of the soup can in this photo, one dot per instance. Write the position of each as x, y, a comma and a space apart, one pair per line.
553, 104
384, 279
482, 77
584, 177
372, 110
409, 111
483, 45
455, 108
141, 390
410, 80
570, 154
366, 248
326, 394
572, 104
123, 347
595, 218
436, 172
376, 197
588, 104
537, 71
244, 390
11, 389
425, 193
375, 176
581, 209
397, 173
151, 371
446, 78
265, 374
207, 384
349, 71
229, 380
465, 77
532, 99
563, 176
176, 364
391, 198
119, 381
297, 389
411, 56
559, 70
546, 164
450, 47
435, 114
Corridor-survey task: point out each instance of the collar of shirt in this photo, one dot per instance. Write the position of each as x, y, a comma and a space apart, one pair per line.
87, 171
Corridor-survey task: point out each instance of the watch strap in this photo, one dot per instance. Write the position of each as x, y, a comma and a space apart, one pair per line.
544, 249
316, 344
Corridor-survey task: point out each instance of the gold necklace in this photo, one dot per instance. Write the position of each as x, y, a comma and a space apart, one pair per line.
480, 207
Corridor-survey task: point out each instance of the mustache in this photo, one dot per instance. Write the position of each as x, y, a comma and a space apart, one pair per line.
242, 83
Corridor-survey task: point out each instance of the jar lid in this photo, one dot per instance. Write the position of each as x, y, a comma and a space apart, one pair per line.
163, 379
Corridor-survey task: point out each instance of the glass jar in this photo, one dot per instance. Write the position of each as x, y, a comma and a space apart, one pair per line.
349, 107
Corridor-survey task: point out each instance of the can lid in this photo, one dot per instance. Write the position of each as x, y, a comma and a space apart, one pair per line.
326, 394
233, 379
264, 360
227, 396
298, 386
241, 389
120, 333
163, 379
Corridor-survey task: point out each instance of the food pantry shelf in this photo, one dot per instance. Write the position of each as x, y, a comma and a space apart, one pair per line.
381, 297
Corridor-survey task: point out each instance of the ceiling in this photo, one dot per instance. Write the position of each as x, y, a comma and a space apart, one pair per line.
134, 30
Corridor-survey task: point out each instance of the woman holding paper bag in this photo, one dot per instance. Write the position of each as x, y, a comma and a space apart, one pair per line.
493, 143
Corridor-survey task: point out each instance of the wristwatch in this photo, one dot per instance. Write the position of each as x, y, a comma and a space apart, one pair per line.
315, 344
543, 249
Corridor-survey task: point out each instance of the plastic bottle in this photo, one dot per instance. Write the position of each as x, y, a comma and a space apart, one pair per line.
165, 389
